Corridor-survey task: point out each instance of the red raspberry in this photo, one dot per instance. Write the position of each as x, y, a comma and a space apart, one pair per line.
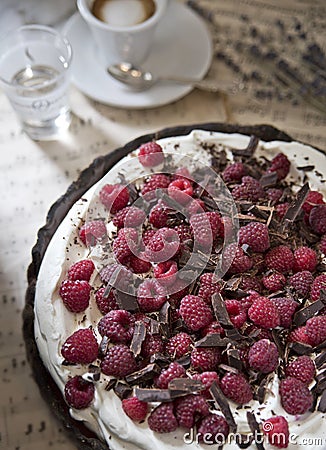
75, 295
250, 283
299, 335
249, 189
213, 429
322, 244
155, 181
207, 378
274, 195
147, 236
81, 270
119, 361
301, 282
162, 419
117, 325
316, 330
196, 206
105, 304
92, 231
79, 393
129, 217
236, 388
286, 307
213, 328
159, 215
274, 282
81, 347
317, 219
163, 246
313, 198
166, 272
184, 233
234, 172
263, 356
277, 430
152, 344
118, 276
195, 312
124, 245
135, 408
188, 408
139, 265
236, 312
208, 286
114, 197
179, 345
151, 295
205, 228
173, 371
205, 358
236, 260
150, 154
281, 165
281, 209
256, 235
318, 284
181, 191
264, 313
305, 258
295, 396
303, 368
280, 258
182, 172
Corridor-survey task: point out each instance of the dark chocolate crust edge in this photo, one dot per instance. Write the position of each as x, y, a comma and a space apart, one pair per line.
79, 433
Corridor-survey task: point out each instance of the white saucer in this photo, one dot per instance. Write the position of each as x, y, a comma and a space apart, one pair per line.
182, 46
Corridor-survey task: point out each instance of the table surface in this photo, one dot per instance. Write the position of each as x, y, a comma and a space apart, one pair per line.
35, 174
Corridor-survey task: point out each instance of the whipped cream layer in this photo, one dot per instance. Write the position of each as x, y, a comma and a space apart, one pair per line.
54, 323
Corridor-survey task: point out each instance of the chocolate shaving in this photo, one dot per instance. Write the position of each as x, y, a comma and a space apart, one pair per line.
307, 168
164, 314
110, 385
268, 179
154, 326
243, 440
234, 360
212, 340
322, 403
295, 207
254, 427
249, 150
320, 360
186, 384
262, 388
153, 395
222, 403
138, 338
184, 361
145, 374
160, 359
126, 301
301, 349
220, 311
301, 316
235, 335
122, 390
104, 345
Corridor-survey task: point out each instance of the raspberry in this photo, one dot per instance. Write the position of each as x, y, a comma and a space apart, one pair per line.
162, 419
208, 286
236, 260
159, 215
105, 303
263, 356
207, 378
303, 368
79, 393
318, 284
322, 244
316, 330
129, 217
317, 219
152, 344
166, 272
205, 358
80, 348
182, 172
114, 197
250, 283
75, 295
163, 246
195, 312
281, 165
181, 191
264, 313
313, 198
119, 361
277, 430
280, 258
213, 429
179, 345
255, 234
92, 231
135, 408
234, 172
295, 396
196, 206
274, 195
213, 328
156, 181
236, 312
150, 154
236, 388
286, 307
184, 233
147, 236
151, 295
299, 335
301, 282
139, 265
205, 228
124, 244
188, 408
173, 371
305, 258
274, 282
249, 189
117, 325
81, 270
118, 276
281, 209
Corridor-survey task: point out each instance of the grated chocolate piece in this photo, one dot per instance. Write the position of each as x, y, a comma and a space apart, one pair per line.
295, 207
249, 150
122, 390
254, 427
212, 340
223, 404
322, 403
301, 316
145, 374
268, 179
153, 395
138, 338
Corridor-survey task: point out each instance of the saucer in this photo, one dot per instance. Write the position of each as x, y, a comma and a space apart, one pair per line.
182, 47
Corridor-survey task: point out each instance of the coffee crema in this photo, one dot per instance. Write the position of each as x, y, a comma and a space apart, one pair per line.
123, 13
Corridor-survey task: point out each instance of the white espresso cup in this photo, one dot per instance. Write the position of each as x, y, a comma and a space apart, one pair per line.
122, 30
